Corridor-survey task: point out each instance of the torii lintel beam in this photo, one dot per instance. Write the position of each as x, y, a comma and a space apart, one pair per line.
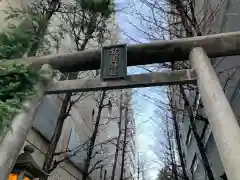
187, 76
217, 45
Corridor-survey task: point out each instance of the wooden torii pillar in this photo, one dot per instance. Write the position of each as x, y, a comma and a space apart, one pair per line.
221, 117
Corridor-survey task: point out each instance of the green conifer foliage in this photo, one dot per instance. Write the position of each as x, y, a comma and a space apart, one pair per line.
16, 83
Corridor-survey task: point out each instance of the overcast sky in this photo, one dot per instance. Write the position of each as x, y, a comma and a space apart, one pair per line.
143, 109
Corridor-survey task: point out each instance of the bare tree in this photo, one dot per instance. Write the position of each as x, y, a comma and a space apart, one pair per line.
173, 19
173, 105
143, 166
89, 156
118, 138
46, 10
34, 20
167, 153
83, 24
35, 16
124, 144
127, 135
164, 173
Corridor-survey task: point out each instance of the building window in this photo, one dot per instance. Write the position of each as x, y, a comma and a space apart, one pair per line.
45, 119
77, 147
236, 98
194, 165
110, 106
101, 171
131, 176
69, 139
105, 174
207, 134
189, 136
184, 156
236, 95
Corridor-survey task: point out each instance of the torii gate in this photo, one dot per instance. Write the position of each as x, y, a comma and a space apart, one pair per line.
198, 50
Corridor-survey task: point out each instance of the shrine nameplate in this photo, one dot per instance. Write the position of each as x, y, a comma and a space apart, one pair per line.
114, 62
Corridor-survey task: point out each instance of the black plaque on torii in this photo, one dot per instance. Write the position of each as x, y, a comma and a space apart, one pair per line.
114, 62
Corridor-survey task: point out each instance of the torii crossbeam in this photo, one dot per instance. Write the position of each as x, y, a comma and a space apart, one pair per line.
216, 45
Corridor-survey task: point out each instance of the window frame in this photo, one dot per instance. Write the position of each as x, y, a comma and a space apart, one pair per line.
194, 165
189, 136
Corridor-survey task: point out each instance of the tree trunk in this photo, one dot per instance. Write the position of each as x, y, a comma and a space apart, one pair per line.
138, 168
57, 133
63, 114
105, 175
42, 28
93, 138
173, 104
124, 143
171, 152
178, 141
118, 140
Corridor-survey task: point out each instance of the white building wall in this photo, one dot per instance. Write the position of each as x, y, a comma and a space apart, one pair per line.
78, 126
